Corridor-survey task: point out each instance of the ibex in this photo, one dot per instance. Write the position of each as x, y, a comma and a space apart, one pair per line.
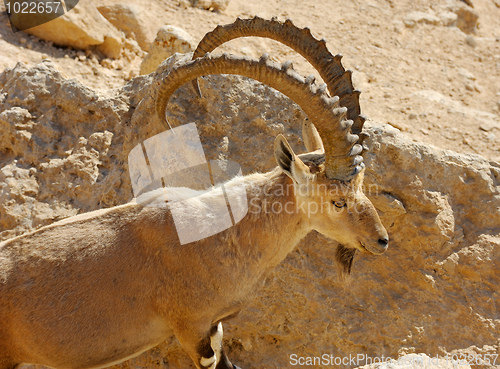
99, 288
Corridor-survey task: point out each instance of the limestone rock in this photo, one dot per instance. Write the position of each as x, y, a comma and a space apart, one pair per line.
468, 2
450, 14
169, 40
458, 14
111, 47
134, 21
417, 17
54, 125
432, 292
448, 18
80, 28
467, 19
212, 5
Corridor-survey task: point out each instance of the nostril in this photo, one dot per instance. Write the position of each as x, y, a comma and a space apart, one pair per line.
383, 241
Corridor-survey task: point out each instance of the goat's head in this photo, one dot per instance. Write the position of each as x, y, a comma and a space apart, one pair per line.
336, 208
330, 176
328, 182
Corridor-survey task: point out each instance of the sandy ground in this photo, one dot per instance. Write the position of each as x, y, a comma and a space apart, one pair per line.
436, 83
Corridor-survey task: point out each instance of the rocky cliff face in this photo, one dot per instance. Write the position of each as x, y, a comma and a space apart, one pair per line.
63, 151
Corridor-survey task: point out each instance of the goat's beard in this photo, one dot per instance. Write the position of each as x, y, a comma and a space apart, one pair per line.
344, 257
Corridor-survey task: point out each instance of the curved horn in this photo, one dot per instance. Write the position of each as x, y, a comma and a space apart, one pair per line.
302, 41
341, 150
312, 139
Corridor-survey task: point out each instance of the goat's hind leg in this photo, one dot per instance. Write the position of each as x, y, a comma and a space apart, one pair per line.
208, 352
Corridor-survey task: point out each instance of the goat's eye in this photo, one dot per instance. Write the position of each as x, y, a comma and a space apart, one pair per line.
338, 204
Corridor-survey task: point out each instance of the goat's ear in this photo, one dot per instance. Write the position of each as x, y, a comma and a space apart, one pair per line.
288, 161
311, 137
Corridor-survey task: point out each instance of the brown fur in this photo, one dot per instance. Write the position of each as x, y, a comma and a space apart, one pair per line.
98, 288
345, 257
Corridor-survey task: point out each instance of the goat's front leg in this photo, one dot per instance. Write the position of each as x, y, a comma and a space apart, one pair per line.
207, 352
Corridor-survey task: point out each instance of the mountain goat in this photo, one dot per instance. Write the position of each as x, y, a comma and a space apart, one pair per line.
99, 288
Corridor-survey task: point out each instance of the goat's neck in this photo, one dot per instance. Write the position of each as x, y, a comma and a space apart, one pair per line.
273, 225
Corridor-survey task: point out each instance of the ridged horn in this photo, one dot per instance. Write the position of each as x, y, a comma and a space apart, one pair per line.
341, 151
311, 137
302, 41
